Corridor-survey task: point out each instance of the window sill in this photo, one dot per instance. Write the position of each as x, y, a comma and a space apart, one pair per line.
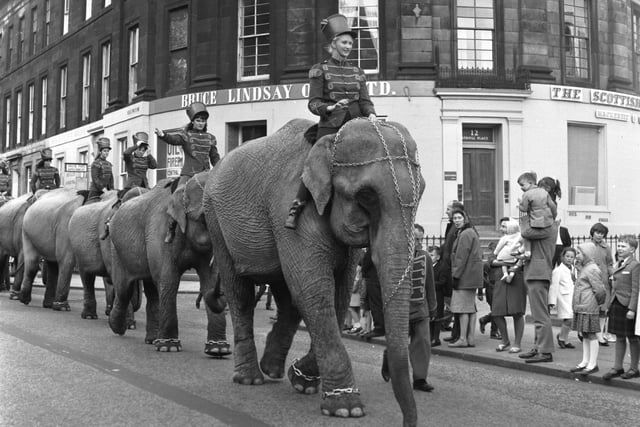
588, 208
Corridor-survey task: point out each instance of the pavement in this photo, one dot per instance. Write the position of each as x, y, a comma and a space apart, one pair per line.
485, 347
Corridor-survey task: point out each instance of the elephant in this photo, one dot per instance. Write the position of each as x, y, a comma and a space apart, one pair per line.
366, 185
45, 234
93, 255
139, 252
11, 217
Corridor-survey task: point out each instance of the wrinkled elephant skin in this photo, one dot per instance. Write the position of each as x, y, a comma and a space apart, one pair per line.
366, 186
11, 217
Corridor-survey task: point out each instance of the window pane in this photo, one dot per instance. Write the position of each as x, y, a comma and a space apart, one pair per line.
363, 18
586, 166
178, 29
178, 69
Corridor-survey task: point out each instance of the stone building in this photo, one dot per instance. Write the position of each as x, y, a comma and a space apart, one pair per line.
488, 88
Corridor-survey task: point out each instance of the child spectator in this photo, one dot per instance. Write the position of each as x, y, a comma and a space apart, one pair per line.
537, 211
588, 294
561, 294
440, 276
507, 247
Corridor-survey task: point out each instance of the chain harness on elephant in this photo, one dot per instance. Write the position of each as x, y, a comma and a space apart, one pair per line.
415, 186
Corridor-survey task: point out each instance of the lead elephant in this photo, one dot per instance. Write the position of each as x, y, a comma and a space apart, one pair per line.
45, 235
366, 185
11, 217
93, 255
137, 232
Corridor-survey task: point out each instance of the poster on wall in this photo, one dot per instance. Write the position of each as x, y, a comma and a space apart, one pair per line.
175, 159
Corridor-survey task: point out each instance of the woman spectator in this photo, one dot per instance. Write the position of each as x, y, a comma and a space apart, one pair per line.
509, 299
622, 308
466, 271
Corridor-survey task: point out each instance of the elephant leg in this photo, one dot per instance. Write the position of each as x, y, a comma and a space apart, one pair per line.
109, 294
50, 286
315, 297
134, 303
4, 273
151, 292
123, 293
89, 311
31, 261
217, 344
66, 264
168, 338
281, 336
240, 295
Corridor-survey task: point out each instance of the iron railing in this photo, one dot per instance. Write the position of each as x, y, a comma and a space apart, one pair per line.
482, 78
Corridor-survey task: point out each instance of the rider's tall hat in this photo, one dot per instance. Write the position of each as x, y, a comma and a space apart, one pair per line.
335, 25
141, 138
103, 143
46, 154
197, 109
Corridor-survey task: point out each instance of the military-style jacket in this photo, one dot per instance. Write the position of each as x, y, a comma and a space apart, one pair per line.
5, 183
331, 81
101, 175
200, 152
136, 167
422, 303
46, 177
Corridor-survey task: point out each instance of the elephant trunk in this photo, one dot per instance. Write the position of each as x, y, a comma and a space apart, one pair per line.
392, 255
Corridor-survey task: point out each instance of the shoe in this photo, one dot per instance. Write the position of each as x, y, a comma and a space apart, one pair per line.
603, 343
561, 343
354, 330
569, 345
528, 354
422, 385
458, 344
503, 347
483, 323
540, 358
496, 336
269, 308
613, 373
515, 350
436, 343
577, 369
450, 339
580, 337
631, 373
589, 371
384, 371
294, 211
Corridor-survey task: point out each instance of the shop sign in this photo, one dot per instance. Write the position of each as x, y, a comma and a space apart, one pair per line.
612, 115
475, 134
175, 159
567, 93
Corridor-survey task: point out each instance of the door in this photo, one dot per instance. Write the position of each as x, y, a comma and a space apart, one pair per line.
479, 185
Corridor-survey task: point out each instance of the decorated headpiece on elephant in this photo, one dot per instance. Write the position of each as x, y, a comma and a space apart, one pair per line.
366, 186
137, 235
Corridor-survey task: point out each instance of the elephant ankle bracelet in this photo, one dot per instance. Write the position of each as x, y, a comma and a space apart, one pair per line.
340, 392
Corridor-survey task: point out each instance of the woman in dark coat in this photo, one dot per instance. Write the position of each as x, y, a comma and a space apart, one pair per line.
467, 274
509, 299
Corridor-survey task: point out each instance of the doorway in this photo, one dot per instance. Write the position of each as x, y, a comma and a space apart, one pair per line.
479, 174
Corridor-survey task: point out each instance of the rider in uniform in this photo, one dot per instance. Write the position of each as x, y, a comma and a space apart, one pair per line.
45, 176
101, 171
337, 93
137, 160
199, 147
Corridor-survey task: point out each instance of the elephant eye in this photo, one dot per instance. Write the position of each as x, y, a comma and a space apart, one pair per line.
367, 197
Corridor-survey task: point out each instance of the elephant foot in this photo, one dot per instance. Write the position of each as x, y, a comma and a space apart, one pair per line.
167, 344
343, 403
306, 383
24, 298
107, 309
272, 366
89, 314
255, 378
60, 306
117, 323
217, 348
14, 294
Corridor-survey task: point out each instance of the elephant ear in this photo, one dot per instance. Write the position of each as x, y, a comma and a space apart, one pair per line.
177, 211
316, 174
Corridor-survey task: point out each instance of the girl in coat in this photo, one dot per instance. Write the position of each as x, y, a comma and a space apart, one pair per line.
588, 294
561, 294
